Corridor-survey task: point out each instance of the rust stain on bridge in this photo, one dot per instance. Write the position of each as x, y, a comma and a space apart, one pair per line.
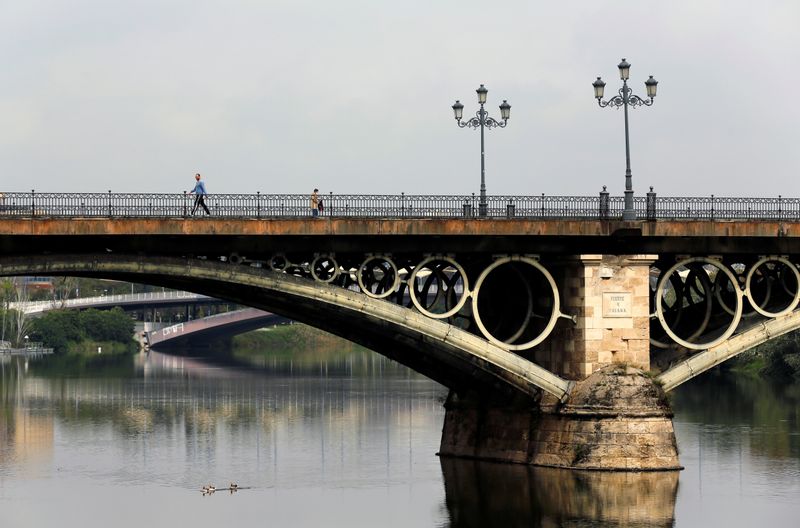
395, 227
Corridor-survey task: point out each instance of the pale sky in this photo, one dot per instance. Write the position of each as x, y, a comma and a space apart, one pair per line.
281, 96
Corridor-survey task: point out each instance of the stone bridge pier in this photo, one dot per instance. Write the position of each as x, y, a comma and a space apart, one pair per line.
616, 415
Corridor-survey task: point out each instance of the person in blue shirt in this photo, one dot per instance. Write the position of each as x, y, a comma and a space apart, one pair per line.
199, 192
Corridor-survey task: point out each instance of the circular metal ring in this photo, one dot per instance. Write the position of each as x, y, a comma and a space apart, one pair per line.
412, 291
709, 293
718, 292
360, 278
736, 316
553, 317
720, 300
653, 341
234, 258
748, 293
278, 262
529, 310
784, 286
323, 258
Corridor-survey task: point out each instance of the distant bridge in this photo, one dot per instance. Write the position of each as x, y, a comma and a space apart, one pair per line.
210, 327
128, 301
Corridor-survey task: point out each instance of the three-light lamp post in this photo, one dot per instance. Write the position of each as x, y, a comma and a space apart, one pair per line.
625, 99
482, 120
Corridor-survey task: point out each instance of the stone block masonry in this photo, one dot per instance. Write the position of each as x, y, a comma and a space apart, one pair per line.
617, 419
610, 297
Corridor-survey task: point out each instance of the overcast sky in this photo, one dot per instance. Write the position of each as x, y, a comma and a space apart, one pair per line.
354, 96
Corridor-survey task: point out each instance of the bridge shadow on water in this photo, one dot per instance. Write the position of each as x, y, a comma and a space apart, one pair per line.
217, 363
489, 494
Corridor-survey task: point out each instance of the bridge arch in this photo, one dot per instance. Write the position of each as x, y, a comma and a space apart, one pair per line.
436, 349
713, 356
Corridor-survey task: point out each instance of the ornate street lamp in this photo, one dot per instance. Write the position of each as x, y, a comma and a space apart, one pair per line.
625, 99
482, 120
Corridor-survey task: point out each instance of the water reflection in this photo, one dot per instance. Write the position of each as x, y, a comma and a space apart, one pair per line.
740, 443
488, 494
355, 438
766, 414
323, 427
26, 438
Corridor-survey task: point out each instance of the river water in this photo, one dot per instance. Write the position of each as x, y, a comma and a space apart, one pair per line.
351, 441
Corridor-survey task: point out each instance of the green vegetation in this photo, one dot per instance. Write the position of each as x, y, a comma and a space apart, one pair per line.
298, 348
289, 337
777, 359
291, 340
86, 364
73, 332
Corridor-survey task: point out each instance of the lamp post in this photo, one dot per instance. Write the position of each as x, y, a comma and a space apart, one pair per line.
482, 120
626, 99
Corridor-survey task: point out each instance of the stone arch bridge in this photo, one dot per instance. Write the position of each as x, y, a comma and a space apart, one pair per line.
556, 333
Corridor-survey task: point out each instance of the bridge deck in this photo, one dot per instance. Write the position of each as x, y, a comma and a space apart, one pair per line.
228, 323
179, 236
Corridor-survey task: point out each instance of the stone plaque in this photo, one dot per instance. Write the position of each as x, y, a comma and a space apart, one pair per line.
617, 304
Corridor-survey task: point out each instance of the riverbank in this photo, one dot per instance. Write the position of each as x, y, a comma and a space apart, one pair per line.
85, 333
296, 341
777, 360
296, 348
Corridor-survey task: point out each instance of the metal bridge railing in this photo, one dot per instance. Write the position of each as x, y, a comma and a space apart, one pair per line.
106, 300
258, 205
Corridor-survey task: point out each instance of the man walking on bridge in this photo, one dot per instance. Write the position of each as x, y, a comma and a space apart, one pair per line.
199, 191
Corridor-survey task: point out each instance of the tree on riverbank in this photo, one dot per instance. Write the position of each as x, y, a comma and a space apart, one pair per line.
15, 323
84, 331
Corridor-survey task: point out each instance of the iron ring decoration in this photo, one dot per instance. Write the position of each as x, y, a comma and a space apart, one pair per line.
737, 315
785, 287
529, 310
323, 258
360, 278
751, 294
721, 300
554, 316
754, 304
279, 257
413, 292
708, 287
702, 276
